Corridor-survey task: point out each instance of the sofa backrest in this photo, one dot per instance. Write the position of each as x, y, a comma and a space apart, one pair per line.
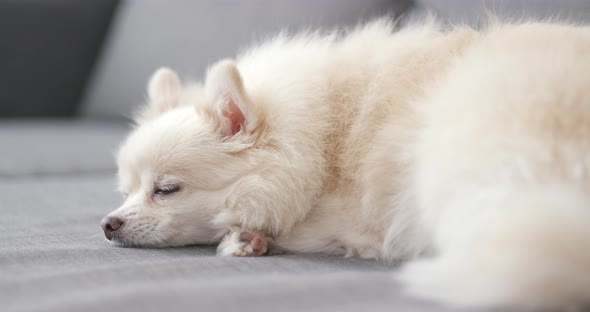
189, 35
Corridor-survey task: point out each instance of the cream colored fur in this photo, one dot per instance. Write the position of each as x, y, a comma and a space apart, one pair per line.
466, 152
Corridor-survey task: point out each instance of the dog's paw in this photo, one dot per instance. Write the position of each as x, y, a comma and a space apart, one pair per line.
243, 243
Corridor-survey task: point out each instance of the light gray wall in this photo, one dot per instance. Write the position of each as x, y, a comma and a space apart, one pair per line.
189, 35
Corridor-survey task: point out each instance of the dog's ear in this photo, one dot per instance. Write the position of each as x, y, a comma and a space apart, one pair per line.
164, 89
228, 100
164, 84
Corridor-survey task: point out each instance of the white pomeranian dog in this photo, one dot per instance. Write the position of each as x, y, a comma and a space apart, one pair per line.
465, 152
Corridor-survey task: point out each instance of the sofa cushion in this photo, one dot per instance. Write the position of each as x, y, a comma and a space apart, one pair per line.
189, 35
37, 147
54, 257
47, 52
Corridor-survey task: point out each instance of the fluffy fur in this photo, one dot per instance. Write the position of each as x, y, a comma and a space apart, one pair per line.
466, 152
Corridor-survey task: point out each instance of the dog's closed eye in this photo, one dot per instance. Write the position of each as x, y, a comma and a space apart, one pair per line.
166, 190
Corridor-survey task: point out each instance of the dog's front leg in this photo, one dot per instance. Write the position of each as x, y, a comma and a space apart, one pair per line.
259, 208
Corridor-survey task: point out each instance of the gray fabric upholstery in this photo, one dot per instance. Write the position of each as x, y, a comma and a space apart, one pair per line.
57, 178
33, 147
189, 35
53, 257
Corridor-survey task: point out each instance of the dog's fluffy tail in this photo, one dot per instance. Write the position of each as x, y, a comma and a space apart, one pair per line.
533, 251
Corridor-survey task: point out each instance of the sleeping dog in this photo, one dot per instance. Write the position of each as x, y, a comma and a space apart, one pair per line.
464, 152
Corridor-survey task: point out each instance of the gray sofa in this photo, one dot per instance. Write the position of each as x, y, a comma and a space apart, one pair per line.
57, 167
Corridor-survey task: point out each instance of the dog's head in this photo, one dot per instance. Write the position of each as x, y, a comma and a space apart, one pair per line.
188, 148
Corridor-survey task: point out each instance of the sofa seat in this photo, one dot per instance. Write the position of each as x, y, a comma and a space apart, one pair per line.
58, 146
53, 257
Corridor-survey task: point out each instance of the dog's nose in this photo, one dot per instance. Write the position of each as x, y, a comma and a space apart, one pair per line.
109, 225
